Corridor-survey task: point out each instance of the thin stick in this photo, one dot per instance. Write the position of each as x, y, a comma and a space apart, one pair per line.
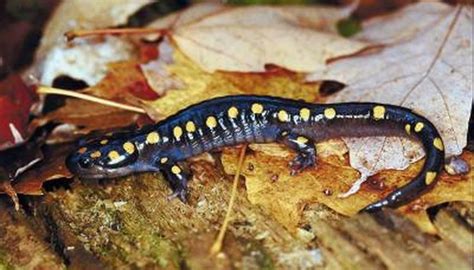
217, 246
70, 35
62, 92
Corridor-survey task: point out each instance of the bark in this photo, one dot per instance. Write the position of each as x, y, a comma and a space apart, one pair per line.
128, 224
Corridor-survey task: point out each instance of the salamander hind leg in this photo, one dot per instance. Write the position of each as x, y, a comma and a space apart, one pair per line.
304, 147
177, 177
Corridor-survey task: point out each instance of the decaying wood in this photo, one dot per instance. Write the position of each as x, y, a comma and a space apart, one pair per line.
20, 244
128, 223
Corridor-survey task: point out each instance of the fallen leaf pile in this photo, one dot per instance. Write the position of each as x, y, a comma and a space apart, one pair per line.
212, 50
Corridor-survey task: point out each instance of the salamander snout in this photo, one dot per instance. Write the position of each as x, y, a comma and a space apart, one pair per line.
101, 159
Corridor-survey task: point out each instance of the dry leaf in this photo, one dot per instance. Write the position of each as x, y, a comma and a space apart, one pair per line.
85, 14
270, 185
124, 82
199, 85
249, 38
427, 69
51, 168
84, 59
156, 72
87, 116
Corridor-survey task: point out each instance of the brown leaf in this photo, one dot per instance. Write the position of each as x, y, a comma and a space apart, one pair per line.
51, 168
124, 82
88, 116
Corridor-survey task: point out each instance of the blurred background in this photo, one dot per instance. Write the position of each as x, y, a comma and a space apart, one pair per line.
22, 22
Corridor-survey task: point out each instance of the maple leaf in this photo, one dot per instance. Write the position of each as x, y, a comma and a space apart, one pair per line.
426, 66
249, 38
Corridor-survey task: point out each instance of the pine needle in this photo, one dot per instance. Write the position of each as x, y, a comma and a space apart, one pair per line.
217, 246
62, 92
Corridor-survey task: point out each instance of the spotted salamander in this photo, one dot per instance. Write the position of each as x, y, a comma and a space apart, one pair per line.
233, 120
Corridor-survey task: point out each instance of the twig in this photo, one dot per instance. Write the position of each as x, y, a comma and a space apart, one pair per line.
10, 191
217, 246
62, 92
70, 35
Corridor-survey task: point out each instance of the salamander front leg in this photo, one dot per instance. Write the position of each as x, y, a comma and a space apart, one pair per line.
304, 147
178, 180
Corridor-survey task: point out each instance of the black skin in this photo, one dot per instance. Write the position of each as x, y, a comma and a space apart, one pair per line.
234, 120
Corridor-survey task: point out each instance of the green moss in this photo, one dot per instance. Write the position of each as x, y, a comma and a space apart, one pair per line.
118, 233
4, 264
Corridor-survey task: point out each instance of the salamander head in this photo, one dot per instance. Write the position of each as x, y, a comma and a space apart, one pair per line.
103, 159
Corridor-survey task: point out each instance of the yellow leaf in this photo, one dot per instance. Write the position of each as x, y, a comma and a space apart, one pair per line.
270, 185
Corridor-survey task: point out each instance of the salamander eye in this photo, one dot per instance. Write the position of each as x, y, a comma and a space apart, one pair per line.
85, 163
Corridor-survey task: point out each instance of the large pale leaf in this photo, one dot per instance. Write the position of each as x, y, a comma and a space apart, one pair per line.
425, 66
247, 39
85, 59
86, 14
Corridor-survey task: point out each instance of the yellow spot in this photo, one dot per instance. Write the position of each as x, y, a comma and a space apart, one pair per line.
153, 137
104, 141
430, 177
129, 147
177, 132
113, 155
95, 154
190, 127
302, 140
438, 143
257, 108
330, 113
304, 114
283, 116
233, 112
211, 122
175, 169
163, 160
82, 150
419, 126
379, 112
408, 128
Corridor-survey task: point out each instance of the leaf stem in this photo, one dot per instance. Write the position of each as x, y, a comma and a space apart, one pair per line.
217, 246
62, 92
